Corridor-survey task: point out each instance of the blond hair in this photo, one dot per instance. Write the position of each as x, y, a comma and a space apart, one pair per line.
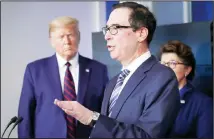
63, 21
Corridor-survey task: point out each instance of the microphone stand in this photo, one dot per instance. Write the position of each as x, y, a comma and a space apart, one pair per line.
14, 119
19, 120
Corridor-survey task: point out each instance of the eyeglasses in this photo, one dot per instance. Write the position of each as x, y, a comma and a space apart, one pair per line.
113, 29
171, 64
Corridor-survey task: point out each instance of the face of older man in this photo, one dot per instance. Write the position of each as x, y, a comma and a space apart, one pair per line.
65, 40
122, 42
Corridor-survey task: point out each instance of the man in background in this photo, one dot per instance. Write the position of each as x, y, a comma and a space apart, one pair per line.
66, 76
143, 100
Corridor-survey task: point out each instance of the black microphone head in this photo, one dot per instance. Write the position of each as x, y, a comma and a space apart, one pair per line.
13, 119
20, 119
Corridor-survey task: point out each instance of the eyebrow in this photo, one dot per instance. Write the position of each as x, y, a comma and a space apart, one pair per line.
112, 25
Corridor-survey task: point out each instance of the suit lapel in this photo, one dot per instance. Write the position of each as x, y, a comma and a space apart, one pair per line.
54, 78
132, 83
107, 95
84, 74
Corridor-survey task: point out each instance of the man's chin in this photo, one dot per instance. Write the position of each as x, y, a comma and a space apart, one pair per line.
113, 57
69, 56
70, 53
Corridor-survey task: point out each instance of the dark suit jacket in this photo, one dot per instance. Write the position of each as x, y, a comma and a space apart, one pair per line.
43, 119
146, 107
195, 119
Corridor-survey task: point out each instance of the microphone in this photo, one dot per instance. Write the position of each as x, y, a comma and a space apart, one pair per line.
19, 120
12, 120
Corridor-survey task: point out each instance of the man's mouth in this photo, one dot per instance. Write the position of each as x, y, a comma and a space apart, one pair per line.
109, 46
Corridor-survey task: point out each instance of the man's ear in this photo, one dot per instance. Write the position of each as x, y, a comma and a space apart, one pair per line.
78, 37
51, 42
142, 34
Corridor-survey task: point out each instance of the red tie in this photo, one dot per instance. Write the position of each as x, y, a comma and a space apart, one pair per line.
69, 95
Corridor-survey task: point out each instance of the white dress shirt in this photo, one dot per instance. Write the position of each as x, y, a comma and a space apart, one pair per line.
74, 69
134, 65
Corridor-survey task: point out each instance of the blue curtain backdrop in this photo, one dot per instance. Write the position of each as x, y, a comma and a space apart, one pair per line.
202, 11
109, 5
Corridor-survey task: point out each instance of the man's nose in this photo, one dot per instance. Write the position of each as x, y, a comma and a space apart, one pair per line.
108, 35
66, 39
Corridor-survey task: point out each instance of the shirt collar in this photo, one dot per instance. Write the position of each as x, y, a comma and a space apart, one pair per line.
137, 62
187, 88
61, 61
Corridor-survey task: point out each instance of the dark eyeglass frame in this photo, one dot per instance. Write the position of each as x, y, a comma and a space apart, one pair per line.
172, 64
113, 29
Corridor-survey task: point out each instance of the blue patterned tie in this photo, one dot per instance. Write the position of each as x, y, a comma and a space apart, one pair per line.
69, 95
117, 89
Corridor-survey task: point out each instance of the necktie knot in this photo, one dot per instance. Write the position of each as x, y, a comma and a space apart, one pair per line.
124, 74
68, 64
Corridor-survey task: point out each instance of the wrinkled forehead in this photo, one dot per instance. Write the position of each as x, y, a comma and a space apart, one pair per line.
119, 16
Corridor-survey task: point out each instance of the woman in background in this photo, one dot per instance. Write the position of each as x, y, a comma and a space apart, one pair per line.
195, 119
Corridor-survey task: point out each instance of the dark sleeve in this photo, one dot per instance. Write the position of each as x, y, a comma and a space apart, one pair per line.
205, 120
106, 78
154, 122
27, 106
